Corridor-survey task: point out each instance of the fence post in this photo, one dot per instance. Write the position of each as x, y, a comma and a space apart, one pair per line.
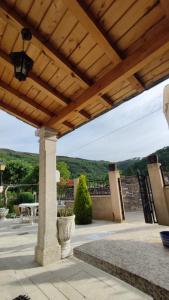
157, 186
75, 184
116, 196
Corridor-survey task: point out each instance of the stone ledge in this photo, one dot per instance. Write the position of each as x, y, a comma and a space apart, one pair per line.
146, 286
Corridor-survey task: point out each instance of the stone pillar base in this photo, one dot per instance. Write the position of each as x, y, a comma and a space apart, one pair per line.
47, 255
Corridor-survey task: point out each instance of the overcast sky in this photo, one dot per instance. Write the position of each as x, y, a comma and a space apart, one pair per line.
134, 129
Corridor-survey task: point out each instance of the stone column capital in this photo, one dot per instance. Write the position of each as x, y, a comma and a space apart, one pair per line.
47, 133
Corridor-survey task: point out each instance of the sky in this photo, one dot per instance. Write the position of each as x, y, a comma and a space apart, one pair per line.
136, 128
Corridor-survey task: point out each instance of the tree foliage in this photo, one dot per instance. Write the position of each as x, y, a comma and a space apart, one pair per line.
63, 169
16, 171
83, 203
33, 176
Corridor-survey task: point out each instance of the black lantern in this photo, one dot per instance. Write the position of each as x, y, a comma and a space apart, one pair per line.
21, 61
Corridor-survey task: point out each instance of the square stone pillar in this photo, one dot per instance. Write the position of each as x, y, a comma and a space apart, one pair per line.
158, 191
116, 196
75, 184
48, 248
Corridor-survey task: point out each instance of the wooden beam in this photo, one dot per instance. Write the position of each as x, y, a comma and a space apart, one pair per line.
149, 50
23, 117
87, 20
48, 90
85, 114
10, 16
165, 7
69, 125
58, 97
26, 99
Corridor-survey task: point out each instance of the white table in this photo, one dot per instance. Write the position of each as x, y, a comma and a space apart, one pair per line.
33, 208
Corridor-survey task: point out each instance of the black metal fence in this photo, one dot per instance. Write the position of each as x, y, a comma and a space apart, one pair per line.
65, 193
98, 187
95, 187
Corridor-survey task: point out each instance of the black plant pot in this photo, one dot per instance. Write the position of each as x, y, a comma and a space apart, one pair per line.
165, 238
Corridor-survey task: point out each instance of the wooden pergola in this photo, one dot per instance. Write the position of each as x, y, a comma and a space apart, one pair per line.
89, 56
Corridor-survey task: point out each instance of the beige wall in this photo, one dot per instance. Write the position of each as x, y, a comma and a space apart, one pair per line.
160, 194
102, 208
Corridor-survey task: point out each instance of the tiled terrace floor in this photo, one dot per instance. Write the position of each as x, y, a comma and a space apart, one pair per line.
68, 279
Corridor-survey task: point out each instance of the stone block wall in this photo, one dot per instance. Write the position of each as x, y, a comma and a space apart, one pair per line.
131, 193
131, 198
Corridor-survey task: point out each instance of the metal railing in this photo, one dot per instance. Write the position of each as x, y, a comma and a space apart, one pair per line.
98, 187
65, 194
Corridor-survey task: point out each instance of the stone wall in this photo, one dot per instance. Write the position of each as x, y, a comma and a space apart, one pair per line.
102, 208
131, 193
131, 197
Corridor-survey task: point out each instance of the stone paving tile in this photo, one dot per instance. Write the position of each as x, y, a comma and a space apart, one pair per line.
69, 279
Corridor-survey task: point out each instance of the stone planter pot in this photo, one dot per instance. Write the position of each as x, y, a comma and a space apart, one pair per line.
65, 229
3, 213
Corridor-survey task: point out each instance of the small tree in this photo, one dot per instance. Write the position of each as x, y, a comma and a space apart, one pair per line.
83, 203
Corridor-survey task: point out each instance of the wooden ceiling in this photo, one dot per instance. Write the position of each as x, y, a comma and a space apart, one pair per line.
89, 56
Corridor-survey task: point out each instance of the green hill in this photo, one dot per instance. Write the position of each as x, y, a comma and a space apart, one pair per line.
92, 168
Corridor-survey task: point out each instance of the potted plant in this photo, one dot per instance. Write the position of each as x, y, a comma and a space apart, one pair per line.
65, 228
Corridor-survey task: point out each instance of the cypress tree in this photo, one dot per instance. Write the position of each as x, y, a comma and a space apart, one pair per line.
83, 203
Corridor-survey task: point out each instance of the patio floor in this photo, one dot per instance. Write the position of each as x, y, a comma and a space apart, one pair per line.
68, 279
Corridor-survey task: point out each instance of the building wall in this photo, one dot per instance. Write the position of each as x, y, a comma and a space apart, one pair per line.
102, 208
131, 193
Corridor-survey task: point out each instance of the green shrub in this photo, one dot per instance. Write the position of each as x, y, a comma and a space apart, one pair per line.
83, 203
25, 197
11, 204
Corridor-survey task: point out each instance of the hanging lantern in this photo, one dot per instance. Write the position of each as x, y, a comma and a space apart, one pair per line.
21, 61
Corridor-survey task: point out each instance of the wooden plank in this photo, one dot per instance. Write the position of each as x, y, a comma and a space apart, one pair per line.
158, 44
26, 118
143, 25
38, 40
131, 17
52, 18
100, 37
25, 99
165, 5
11, 17
41, 84
37, 11
59, 98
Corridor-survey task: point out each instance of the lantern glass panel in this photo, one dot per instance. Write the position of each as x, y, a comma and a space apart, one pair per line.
22, 64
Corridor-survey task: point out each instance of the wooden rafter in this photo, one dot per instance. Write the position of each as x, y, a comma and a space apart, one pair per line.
87, 20
10, 16
22, 116
51, 92
157, 44
26, 99
43, 86
165, 7
68, 124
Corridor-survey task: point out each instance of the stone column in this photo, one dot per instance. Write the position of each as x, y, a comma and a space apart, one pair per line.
166, 102
117, 205
75, 183
158, 191
47, 249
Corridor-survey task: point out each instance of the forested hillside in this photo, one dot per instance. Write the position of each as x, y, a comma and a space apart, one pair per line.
92, 168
